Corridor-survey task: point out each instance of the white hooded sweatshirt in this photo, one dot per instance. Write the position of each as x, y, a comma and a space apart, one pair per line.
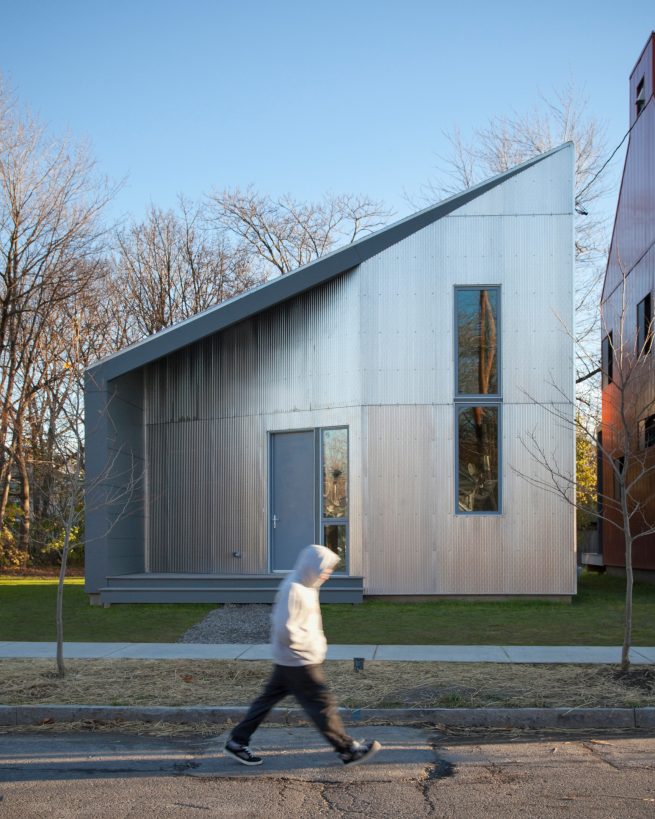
296, 625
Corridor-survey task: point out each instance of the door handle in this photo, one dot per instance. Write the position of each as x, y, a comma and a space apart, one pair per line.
275, 521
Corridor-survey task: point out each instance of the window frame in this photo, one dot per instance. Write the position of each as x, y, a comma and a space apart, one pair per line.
647, 425
478, 397
619, 463
645, 326
321, 520
607, 360
467, 400
640, 96
464, 405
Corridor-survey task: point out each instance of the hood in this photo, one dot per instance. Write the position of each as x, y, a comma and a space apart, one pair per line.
311, 562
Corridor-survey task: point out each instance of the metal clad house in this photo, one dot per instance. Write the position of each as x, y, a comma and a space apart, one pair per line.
627, 320
374, 401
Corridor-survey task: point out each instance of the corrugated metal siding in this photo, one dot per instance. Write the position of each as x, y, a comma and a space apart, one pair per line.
407, 307
638, 402
374, 350
414, 541
209, 411
205, 496
303, 354
405, 457
209, 492
632, 255
634, 228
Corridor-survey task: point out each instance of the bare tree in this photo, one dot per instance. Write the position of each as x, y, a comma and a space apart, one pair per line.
508, 140
57, 452
281, 235
50, 249
622, 440
172, 266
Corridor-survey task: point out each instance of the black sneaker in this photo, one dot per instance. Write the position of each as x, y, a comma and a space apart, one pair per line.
361, 752
242, 753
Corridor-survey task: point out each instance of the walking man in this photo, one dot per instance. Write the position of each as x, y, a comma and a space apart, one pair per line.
299, 648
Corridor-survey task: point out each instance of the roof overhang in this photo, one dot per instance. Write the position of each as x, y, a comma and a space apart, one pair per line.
292, 284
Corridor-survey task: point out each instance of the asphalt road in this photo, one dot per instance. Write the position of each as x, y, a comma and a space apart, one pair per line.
419, 773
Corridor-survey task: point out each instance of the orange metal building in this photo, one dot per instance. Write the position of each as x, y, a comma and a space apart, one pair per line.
632, 259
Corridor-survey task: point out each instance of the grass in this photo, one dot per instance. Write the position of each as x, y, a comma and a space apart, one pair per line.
380, 684
595, 617
27, 612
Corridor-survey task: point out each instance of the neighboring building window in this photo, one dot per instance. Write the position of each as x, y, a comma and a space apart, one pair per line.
477, 458
607, 362
644, 328
647, 432
334, 492
477, 340
640, 99
619, 464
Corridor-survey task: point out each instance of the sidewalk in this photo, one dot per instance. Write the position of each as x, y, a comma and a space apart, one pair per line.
423, 653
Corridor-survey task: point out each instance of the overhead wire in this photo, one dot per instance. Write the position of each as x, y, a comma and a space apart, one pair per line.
613, 154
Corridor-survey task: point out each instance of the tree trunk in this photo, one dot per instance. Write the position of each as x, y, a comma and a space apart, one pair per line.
68, 528
24, 542
4, 497
61, 668
627, 619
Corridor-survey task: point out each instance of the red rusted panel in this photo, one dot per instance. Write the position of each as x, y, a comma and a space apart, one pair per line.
632, 255
634, 227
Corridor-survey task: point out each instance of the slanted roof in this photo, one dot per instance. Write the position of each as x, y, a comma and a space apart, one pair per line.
291, 284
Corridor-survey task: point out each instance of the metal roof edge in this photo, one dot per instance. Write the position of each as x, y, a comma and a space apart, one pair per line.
284, 287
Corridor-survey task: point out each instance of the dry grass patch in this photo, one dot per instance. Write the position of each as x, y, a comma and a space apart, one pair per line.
426, 685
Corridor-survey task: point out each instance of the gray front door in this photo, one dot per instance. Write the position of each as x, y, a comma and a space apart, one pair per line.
293, 497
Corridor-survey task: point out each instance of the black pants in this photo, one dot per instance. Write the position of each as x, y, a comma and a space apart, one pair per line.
307, 684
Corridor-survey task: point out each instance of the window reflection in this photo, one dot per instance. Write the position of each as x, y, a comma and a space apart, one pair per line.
477, 341
334, 537
335, 473
477, 437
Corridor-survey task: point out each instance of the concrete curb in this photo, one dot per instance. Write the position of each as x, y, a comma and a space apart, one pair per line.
14, 715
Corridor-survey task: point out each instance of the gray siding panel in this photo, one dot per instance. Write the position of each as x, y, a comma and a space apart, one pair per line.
206, 497
299, 355
407, 307
414, 541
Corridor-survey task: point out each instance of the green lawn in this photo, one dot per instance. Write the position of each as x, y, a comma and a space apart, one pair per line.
594, 618
27, 611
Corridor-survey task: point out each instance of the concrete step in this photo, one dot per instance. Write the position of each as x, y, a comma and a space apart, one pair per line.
208, 588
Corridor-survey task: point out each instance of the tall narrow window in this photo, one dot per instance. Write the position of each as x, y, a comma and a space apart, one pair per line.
478, 400
619, 464
647, 432
477, 456
477, 340
640, 97
607, 359
334, 493
644, 326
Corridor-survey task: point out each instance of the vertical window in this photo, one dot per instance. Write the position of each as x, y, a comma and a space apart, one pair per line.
640, 97
477, 340
477, 421
477, 457
334, 493
644, 328
647, 432
619, 463
607, 359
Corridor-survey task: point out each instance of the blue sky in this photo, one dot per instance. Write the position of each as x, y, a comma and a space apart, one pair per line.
304, 97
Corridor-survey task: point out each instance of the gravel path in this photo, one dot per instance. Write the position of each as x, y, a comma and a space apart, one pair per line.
232, 623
